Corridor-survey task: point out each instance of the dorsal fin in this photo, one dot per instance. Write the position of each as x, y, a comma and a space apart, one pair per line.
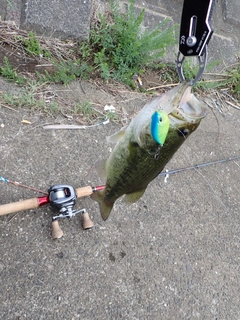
117, 136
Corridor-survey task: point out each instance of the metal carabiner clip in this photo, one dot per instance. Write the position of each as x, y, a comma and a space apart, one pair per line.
202, 60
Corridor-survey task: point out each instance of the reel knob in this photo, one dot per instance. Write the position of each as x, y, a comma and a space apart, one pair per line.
57, 232
86, 221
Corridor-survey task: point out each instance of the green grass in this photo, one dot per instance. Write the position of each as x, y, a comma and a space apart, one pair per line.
8, 72
28, 98
233, 81
230, 80
33, 47
67, 71
85, 109
120, 48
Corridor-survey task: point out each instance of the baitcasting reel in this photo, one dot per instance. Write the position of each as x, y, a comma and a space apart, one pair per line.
63, 198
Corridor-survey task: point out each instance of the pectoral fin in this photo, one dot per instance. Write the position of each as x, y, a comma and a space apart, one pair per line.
133, 197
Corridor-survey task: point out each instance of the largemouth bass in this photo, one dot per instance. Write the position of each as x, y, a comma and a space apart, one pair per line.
137, 157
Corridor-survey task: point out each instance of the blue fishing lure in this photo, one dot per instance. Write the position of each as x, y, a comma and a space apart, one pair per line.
159, 126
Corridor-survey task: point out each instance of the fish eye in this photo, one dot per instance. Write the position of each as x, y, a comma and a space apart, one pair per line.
183, 132
160, 119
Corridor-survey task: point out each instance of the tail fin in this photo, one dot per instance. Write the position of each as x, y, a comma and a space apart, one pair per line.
105, 207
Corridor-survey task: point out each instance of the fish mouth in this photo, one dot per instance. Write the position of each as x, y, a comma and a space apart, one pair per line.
187, 108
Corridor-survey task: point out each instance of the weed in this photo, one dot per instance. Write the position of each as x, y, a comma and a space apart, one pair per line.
28, 98
168, 73
120, 49
50, 108
21, 100
89, 113
33, 46
112, 116
8, 72
229, 79
85, 50
66, 71
85, 109
10, 4
233, 81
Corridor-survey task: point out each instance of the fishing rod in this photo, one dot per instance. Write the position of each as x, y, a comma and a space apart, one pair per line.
197, 166
63, 198
60, 197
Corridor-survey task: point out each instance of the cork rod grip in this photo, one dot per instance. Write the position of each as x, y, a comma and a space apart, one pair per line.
19, 206
83, 192
35, 202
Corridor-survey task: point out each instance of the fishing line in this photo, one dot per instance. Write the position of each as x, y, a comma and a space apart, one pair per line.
22, 185
217, 197
236, 163
195, 167
201, 165
215, 116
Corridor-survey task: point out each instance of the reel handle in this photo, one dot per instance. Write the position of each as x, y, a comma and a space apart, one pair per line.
57, 232
86, 221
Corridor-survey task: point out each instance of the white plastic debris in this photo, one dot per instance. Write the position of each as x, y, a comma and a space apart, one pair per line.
109, 107
166, 177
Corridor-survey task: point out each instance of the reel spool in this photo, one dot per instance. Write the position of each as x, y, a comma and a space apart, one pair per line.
63, 197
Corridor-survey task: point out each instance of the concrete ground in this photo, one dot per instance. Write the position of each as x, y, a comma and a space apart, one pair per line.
172, 255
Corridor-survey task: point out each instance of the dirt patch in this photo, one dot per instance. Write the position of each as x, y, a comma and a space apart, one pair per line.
13, 47
28, 65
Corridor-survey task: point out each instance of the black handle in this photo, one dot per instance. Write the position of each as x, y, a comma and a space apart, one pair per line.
195, 30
